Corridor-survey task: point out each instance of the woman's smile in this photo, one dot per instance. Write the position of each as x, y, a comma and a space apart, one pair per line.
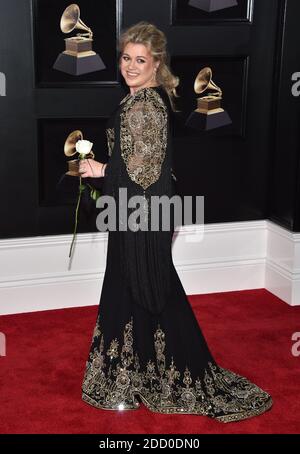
131, 74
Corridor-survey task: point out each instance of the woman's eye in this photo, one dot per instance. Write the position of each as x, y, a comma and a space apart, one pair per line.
139, 60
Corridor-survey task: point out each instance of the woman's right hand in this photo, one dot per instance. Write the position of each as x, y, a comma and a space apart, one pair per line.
90, 168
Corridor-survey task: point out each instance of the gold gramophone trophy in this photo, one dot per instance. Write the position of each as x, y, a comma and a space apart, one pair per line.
78, 58
70, 149
209, 113
212, 5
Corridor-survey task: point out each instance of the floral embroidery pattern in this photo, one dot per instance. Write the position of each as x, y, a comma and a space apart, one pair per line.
110, 135
143, 136
113, 379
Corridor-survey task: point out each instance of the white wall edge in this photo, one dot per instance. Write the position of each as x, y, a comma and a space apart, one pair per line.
35, 273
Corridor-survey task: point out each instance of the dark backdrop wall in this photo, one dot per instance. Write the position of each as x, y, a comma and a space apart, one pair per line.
247, 170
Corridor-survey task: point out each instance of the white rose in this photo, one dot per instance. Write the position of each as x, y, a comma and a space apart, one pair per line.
83, 146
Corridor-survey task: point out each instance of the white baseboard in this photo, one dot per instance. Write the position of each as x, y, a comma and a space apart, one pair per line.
283, 264
35, 274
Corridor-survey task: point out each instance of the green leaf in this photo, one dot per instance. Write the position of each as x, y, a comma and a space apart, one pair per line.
95, 194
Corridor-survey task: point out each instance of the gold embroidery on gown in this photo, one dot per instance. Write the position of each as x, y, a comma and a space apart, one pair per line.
110, 136
143, 136
113, 379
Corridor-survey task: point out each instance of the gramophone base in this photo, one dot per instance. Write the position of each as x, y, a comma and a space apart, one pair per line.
78, 65
212, 5
73, 168
204, 122
73, 174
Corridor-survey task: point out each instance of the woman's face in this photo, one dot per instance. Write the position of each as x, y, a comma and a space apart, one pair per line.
137, 66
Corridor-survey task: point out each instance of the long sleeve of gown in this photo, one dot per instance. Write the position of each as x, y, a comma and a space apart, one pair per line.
143, 146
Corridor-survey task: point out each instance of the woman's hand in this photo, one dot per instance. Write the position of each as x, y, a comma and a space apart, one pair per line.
90, 168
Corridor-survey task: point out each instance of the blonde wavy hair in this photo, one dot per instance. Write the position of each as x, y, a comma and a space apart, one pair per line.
155, 40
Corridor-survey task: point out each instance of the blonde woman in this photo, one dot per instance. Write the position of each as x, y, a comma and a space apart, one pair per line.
147, 346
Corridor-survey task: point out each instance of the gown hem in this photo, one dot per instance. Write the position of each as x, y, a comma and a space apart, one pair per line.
233, 417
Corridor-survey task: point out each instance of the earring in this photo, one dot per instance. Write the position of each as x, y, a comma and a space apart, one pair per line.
154, 74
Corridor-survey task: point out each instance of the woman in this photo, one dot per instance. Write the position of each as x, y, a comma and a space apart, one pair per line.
147, 345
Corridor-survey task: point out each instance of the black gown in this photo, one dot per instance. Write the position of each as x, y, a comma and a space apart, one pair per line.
147, 345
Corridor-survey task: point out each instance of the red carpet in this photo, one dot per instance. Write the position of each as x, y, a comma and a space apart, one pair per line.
248, 332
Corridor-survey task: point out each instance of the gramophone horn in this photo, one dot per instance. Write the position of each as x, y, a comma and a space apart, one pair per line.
70, 20
204, 81
70, 143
